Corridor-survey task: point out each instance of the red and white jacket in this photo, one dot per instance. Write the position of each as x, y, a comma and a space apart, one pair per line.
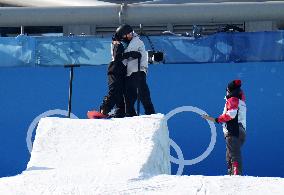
234, 113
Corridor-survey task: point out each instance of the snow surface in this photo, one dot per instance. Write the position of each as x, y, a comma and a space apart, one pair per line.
116, 156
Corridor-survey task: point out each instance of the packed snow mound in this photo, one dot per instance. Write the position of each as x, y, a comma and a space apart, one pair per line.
128, 148
116, 156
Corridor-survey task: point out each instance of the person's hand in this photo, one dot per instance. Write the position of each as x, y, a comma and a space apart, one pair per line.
115, 42
208, 118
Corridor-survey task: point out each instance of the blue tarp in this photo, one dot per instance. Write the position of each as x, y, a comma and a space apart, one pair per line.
90, 50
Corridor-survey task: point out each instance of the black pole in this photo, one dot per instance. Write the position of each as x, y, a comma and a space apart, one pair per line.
70, 88
70, 91
138, 88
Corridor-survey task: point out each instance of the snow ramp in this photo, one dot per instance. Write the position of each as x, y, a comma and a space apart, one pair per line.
130, 147
86, 153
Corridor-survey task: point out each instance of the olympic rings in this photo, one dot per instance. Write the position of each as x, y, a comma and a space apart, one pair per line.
181, 161
36, 120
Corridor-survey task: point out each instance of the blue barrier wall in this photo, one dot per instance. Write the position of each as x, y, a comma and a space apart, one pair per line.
27, 92
89, 50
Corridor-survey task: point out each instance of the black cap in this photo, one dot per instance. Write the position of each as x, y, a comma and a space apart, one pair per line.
235, 84
122, 30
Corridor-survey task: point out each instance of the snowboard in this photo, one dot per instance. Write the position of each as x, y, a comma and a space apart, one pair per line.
96, 115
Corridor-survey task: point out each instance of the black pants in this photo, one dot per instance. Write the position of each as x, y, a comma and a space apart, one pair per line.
115, 96
135, 81
233, 149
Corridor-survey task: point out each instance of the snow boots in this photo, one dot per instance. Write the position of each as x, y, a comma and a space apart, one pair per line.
235, 168
229, 166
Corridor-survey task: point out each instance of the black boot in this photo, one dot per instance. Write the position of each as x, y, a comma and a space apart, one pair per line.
229, 167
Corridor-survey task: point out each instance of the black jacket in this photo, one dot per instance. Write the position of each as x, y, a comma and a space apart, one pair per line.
116, 67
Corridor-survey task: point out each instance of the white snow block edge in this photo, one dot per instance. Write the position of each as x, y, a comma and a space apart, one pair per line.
129, 147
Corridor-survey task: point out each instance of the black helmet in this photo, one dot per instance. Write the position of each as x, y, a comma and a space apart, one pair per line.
122, 30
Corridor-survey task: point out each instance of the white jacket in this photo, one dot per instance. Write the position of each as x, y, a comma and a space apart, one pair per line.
132, 64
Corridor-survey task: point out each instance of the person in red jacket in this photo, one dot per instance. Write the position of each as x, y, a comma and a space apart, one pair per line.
234, 125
